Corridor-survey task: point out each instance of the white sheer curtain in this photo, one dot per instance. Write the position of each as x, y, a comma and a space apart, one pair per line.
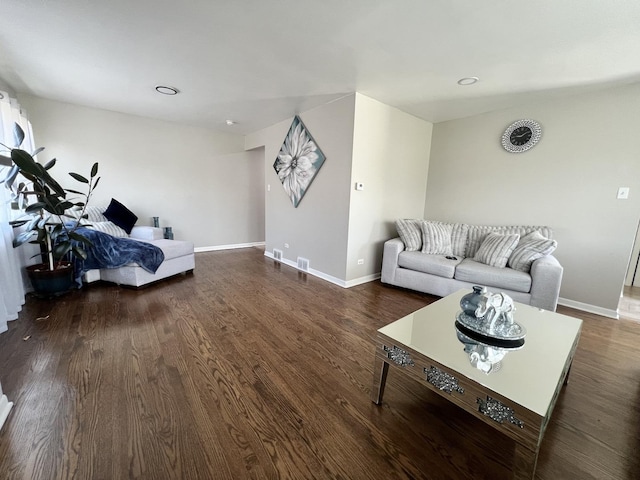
11, 285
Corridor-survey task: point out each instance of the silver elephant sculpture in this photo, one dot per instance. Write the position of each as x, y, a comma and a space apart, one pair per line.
495, 308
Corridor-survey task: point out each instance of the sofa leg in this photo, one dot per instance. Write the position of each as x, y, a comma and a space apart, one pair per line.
189, 272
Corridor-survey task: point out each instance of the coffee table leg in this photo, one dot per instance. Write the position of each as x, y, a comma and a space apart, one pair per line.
380, 369
566, 379
524, 463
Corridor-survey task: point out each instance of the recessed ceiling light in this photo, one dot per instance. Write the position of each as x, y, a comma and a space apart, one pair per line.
230, 122
467, 81
166, 90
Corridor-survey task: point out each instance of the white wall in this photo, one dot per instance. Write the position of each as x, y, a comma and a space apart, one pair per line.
7, 88
568, 181
200, 182
335, 225
391, 159
317, 229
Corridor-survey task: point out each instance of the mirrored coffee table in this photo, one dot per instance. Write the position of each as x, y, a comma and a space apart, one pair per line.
518, 393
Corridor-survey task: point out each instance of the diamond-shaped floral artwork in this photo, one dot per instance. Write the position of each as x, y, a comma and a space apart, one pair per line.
298, 162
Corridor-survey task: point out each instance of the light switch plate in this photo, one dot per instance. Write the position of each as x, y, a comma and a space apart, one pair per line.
623, 193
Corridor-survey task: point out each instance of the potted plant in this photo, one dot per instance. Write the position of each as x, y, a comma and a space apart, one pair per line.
45, 217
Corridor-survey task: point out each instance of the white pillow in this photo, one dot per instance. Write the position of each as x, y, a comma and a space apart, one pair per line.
531, 248
410, 234
496, 249
94, 214
108, 227
436, 238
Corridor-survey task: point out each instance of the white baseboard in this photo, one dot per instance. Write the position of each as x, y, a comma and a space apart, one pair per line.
585, 307
5, 408
228, 247
361, 280
324, 276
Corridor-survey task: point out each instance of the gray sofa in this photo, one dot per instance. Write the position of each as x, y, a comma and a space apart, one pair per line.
535, 280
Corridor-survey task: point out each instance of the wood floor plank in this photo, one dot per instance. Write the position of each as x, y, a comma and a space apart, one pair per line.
251, 369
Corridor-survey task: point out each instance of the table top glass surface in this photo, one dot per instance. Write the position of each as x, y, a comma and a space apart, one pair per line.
528, 376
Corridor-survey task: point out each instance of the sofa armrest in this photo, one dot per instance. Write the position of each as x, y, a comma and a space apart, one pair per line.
390, 254
546, 277
146, 233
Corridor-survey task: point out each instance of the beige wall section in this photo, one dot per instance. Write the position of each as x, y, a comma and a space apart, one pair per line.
317, 230
391, 160
568, 181
200, 182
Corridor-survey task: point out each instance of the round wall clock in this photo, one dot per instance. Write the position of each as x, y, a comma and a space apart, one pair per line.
521, 135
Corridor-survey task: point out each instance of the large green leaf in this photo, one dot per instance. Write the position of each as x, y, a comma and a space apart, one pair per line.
22, 238
44, 176
94, 170
64, 205
78, 177
35, 207
50, 203
79, 252
80, 238
18, 134
49, 164
33, 223
61, 249
28, 176
18, 223
11, 176
25, 162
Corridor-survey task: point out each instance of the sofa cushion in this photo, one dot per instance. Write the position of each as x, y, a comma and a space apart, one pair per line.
410, 234
120, 215
459, 239
496, 249
172, 248
436, 238
433, 264
93, 214
108, 227
480, 274
530, 248
477, 233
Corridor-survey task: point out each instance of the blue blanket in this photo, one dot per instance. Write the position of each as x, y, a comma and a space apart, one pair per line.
114, 252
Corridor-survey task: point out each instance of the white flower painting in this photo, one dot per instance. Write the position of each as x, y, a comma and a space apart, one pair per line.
298, 161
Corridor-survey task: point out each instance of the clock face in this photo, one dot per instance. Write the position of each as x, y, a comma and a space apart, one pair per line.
521, 135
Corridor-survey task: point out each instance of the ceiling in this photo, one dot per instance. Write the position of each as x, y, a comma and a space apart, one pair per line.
261, 61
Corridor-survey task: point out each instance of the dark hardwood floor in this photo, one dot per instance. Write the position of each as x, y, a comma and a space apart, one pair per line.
249, 369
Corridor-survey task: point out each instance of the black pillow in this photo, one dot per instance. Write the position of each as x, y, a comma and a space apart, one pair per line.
120, 215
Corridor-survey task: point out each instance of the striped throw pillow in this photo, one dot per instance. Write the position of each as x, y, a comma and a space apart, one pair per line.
436, 238
94, 214
108, 227
531, 248
496, 249
410, 234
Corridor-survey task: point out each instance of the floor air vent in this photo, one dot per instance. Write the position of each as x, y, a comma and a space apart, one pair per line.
277, 254
303, 264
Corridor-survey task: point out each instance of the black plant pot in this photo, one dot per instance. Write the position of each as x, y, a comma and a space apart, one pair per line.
51, 283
